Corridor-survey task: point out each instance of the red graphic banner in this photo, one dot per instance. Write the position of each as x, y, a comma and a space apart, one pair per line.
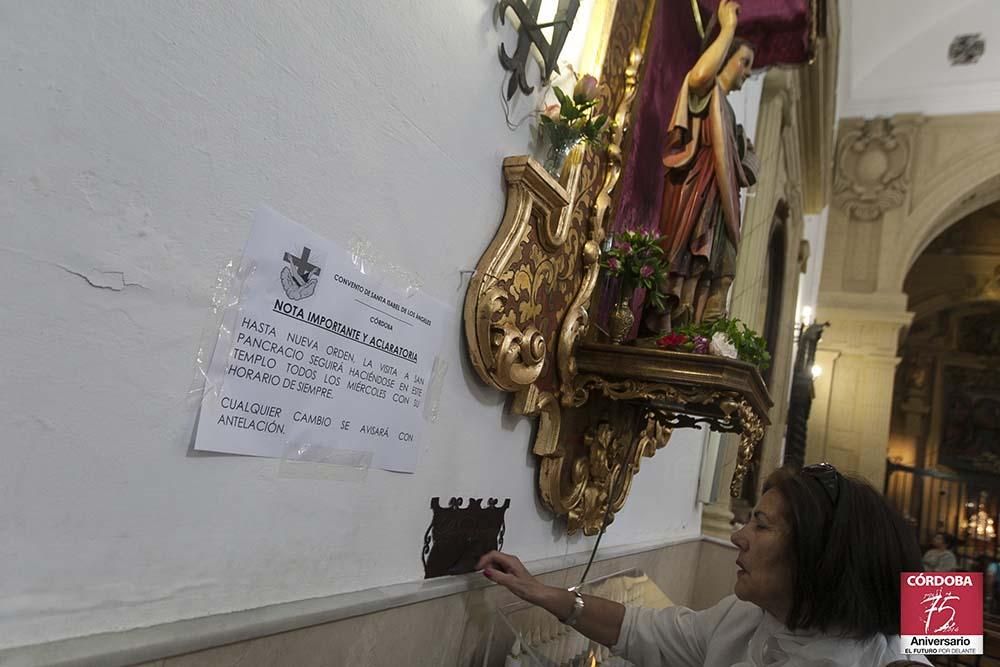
941, 613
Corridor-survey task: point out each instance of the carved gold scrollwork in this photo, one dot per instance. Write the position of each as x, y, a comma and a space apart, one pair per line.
577, 318
751, 434
515, 356
624, 390
519, 356
506, 344
611, 456
605, 451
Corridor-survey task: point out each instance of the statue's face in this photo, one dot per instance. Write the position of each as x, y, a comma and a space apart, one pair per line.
738, 68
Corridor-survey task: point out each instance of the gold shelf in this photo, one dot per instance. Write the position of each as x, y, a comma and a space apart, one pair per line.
680, 373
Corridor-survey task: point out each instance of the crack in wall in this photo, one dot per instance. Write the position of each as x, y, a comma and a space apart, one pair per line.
94, 278
113, 286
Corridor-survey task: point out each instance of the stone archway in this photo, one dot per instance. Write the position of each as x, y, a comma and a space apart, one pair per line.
898, 183
955, 196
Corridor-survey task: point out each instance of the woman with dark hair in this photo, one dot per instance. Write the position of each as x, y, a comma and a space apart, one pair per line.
818, 584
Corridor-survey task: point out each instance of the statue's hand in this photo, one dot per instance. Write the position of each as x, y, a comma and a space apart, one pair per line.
729, 14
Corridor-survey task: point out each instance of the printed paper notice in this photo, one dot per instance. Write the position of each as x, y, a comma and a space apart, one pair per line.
319, 352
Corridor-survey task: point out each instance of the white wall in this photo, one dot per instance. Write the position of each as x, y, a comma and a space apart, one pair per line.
814, 232
135, 140
746, 103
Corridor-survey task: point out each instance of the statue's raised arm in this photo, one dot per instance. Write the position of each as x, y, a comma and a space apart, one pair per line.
709, 65
708, 159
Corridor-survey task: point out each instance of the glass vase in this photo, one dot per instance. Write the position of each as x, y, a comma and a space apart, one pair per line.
556, 157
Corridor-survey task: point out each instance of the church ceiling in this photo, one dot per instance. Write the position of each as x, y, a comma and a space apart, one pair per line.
924, 56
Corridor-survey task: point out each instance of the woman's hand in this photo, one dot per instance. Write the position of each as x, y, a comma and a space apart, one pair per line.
729, 14
601, 619
509, 572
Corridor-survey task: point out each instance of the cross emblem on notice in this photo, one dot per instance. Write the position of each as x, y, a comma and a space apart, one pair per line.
303, 268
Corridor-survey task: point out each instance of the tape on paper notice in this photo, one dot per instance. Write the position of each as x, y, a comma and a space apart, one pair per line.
320, 351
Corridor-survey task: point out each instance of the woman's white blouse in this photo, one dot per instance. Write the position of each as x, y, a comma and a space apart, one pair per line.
740, 634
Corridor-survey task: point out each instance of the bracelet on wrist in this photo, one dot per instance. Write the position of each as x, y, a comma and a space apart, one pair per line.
576, 611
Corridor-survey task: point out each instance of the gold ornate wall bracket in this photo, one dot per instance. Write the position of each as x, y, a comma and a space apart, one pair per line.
600, 409
506, 343
525, 311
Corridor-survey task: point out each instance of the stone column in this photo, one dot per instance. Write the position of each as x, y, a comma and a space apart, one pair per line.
849, 424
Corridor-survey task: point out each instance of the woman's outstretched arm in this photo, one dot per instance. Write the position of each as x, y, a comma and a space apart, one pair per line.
601, 620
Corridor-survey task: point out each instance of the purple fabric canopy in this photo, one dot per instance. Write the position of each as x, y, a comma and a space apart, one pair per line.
780, 32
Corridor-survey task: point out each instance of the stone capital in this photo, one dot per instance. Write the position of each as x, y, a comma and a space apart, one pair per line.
868, 332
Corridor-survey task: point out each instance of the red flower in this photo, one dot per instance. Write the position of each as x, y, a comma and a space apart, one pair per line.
672, 340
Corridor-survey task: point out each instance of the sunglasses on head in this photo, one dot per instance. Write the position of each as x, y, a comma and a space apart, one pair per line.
828, 477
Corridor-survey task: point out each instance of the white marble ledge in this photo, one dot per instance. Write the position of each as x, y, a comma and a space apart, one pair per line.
168, 639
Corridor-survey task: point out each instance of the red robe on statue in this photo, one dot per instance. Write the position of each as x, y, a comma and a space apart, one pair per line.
708, 160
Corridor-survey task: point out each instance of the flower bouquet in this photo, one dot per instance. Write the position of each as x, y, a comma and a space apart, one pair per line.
636, 259
724, 338
571, 121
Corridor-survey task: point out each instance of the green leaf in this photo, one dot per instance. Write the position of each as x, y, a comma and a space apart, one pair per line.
570, 112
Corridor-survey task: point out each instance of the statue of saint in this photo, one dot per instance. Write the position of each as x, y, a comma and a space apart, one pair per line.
708, 159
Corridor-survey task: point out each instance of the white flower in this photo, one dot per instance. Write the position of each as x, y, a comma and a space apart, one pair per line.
721, 347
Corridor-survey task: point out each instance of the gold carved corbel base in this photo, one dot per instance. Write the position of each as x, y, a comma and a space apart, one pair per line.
600, 452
